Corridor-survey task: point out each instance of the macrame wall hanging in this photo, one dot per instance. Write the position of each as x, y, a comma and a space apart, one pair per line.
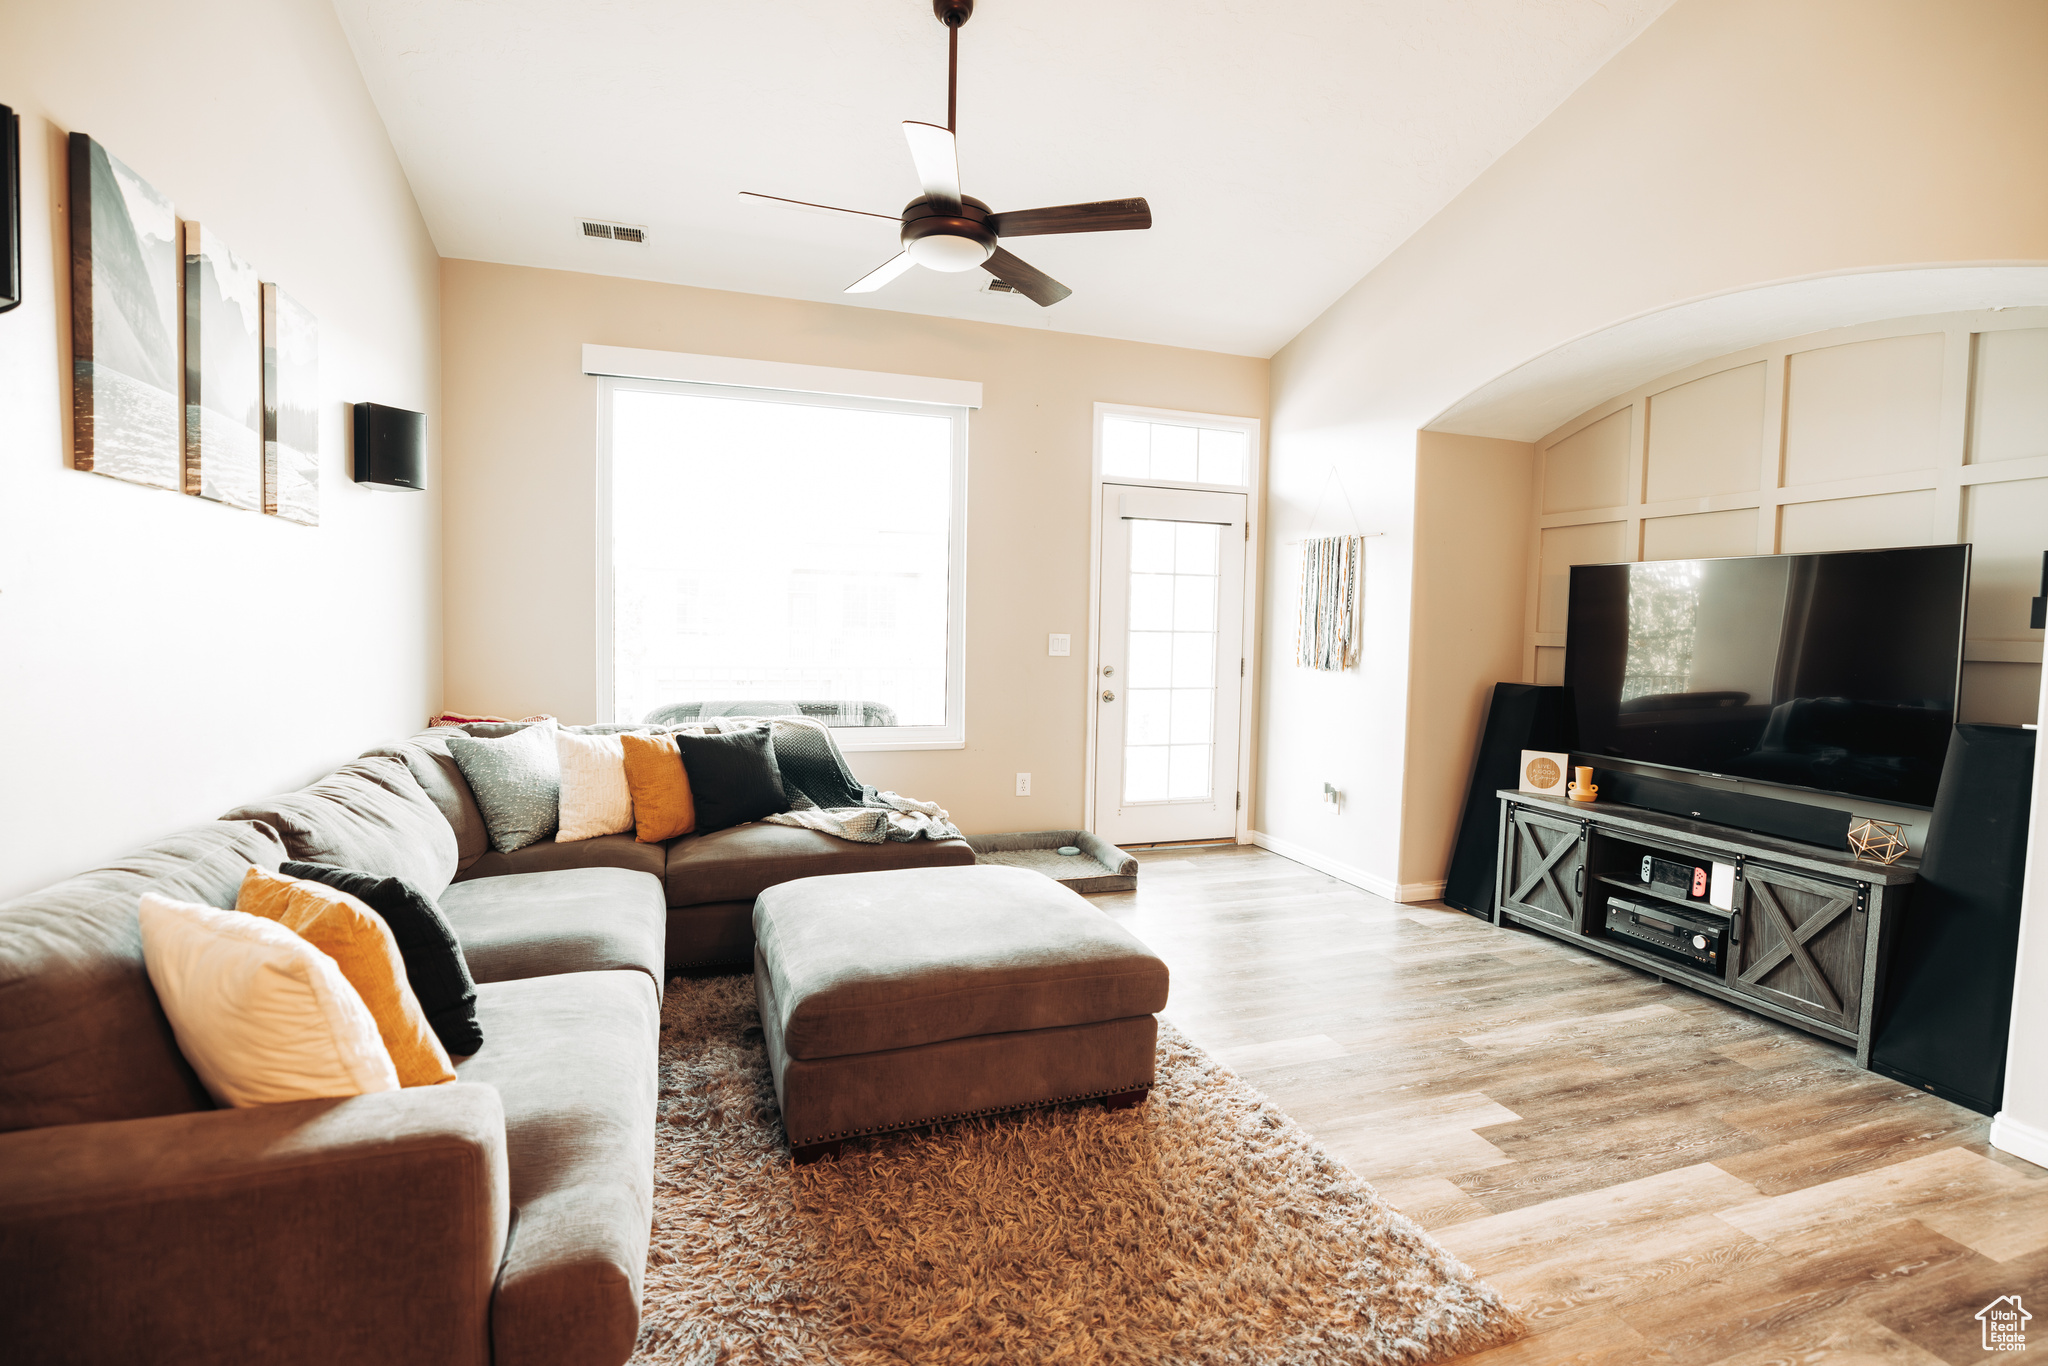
1332, 572
1328, 633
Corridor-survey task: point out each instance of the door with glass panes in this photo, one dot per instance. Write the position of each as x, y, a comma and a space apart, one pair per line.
1169, 664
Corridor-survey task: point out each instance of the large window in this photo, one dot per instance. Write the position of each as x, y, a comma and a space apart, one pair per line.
775, 552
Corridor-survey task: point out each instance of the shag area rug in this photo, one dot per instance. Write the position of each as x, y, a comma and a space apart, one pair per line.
1202, 1226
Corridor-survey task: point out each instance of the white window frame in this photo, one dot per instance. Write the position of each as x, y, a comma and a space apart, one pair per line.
1254, 489
838, 389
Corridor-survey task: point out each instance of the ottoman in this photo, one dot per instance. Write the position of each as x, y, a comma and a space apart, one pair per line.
900, 998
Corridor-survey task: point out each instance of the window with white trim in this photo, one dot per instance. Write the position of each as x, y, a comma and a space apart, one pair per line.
772, 551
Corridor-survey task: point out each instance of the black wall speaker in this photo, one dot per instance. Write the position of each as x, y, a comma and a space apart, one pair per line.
390, 447
1947, 1002
1521, 716
1821, 825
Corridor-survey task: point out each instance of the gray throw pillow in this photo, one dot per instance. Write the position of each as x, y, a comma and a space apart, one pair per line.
517, 782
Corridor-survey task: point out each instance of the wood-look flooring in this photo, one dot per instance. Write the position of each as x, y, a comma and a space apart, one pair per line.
1649, 1175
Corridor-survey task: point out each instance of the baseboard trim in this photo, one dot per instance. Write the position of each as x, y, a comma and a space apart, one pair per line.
2009, 1135
1344, 872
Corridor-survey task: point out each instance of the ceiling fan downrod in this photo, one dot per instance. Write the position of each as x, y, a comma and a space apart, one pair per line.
953, 13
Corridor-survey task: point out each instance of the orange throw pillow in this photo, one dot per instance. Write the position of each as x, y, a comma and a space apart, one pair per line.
360, 943
662, 805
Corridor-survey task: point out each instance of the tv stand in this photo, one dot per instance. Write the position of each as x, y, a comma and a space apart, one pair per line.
1808, 930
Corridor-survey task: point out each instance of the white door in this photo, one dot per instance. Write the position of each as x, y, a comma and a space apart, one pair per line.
1169, 664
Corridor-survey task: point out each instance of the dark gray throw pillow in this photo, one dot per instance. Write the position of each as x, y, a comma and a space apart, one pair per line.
434, 965
733, 777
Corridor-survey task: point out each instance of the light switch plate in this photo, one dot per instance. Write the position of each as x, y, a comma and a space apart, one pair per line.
1059, 644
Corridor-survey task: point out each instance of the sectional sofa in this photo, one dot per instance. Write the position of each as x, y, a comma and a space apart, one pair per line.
502, 1217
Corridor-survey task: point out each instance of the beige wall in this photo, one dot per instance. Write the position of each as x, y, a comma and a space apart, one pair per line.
163, 657
521, 509
1737, 142
1471, 535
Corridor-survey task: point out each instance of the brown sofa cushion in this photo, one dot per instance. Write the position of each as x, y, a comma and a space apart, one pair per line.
371, 816
567, 920
711, 934
605, 851
316, 1232
873, 961
736, 864
81, 1032
434, 769
574, 1058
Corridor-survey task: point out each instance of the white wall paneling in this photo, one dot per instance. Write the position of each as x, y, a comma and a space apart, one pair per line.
1917, 431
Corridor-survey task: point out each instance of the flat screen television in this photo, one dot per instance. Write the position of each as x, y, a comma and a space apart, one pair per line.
1833, 673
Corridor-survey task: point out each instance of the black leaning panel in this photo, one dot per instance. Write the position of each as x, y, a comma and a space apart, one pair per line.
1947, 1007
1521, 716
1817, 825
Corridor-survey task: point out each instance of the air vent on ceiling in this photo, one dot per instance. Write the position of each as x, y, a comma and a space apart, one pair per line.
614, 232
998, 287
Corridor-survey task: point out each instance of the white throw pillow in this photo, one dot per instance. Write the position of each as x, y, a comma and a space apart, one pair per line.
595, 798
261, 1014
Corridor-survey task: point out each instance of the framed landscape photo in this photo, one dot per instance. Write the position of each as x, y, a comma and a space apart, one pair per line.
291, 409
10, 209
124, 322
223, 373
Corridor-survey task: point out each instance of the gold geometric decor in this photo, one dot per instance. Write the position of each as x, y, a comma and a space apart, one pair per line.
1878, 841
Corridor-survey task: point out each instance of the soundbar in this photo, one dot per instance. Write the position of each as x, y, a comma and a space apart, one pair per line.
1817, 825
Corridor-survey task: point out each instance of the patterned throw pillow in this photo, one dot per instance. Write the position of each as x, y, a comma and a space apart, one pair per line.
517, 782
595, 798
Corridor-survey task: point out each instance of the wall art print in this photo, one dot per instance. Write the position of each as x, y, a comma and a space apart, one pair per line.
291, 409
124, 322
223, 373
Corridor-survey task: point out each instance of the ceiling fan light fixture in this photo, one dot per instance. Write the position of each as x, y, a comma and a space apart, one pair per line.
945, 251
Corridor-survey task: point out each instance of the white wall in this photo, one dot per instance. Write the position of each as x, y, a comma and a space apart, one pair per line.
2022, 1123
1737, 142
161, 657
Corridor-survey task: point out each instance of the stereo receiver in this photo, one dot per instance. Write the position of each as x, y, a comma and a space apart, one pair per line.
1698, 938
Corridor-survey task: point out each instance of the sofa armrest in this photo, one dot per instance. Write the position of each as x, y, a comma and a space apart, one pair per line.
365, 1229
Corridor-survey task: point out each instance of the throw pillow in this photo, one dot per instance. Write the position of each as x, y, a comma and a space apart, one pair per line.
434, 966
261, 1014
662, 806
595, 798
517, 782
733, 777
362, 946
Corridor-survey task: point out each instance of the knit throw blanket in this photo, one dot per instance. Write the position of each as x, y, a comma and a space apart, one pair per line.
825, 796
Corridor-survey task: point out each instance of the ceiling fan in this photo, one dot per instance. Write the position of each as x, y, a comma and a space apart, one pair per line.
943, 229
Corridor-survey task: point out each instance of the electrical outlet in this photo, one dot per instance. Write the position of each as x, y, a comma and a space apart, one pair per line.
1023, 784
1059, 644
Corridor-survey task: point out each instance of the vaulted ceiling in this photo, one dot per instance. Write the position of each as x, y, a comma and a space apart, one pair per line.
1286, 146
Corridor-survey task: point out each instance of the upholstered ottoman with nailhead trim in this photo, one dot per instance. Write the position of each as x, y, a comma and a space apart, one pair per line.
902, 998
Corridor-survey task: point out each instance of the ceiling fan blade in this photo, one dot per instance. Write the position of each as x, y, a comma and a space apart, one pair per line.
1105, 215
881, 275
937, 159
1033, 283
805, 206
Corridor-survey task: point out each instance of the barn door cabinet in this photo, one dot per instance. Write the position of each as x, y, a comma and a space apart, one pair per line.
1809, 929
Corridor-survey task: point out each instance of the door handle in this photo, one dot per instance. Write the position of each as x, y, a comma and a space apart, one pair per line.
1579, 881
1109, 697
